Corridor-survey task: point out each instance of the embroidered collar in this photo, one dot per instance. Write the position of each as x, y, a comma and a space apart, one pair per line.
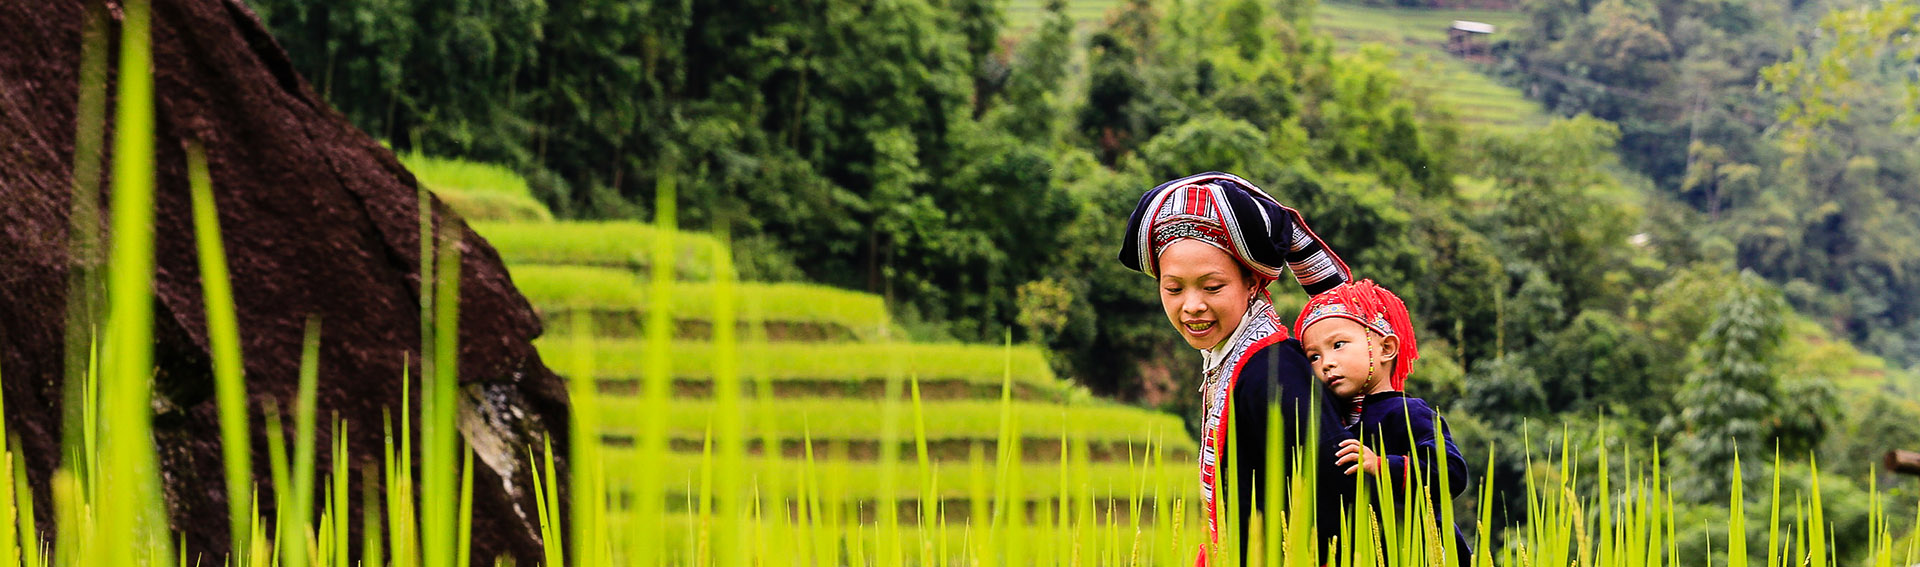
1216, 364
1217, 367
1213, 359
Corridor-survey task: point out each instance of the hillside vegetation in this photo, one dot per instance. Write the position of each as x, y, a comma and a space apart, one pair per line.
911, 151
1783, 132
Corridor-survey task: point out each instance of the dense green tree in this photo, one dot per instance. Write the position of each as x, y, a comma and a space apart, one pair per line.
1505, 392
1032, 102
597, 98
979, 23
1114, 337
1601, 365
1206, 143
1805, 413
406, 70
1729, 399
1533, 310
1553, 210
1823, 83
1838, 227
1680, 308
1113, 116
1457, 299
1004, 214
1363, 219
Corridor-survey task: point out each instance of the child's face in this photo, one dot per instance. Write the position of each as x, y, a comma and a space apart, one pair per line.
1204, 292
1350, 359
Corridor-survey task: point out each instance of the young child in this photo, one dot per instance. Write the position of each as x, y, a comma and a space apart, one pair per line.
1359, 341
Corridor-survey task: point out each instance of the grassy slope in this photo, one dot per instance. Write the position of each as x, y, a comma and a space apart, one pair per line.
1026, 14
1811, 351
477, 190
618, 244
1402, 26
1419, 36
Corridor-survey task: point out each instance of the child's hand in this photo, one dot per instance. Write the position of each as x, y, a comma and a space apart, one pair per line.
1357, 456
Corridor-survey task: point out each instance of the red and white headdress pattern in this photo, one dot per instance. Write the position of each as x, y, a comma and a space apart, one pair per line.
1235, 216
1373, 307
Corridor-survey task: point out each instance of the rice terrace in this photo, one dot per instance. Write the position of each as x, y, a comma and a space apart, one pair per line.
1627, 283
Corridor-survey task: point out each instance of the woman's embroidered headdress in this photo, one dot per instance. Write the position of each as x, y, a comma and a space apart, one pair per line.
1373, 307
1233, 215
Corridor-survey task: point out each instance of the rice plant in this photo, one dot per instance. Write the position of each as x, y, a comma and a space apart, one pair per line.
651, 505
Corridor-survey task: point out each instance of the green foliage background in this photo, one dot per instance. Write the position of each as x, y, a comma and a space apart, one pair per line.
1673, 241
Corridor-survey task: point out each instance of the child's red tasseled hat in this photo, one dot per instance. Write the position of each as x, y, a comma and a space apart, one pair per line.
1372, 306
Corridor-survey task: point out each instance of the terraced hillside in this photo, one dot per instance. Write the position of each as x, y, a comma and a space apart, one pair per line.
478, 190
817, 365
1027, 14
826, 359
1417, 38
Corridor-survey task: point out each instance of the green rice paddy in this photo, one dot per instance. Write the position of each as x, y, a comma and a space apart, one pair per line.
836, 362
560, 290
476, 190
613, 244
827, 420
1043, 482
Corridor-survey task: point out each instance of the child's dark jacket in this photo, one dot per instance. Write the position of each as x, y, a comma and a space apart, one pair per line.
1398, 427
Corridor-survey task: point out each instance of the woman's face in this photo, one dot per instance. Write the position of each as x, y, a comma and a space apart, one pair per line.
1204, 292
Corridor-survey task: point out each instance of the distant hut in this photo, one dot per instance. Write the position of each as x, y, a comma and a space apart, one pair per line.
1903, 462
1468, 40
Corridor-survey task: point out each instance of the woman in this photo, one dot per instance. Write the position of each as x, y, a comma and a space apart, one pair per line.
1213, 242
